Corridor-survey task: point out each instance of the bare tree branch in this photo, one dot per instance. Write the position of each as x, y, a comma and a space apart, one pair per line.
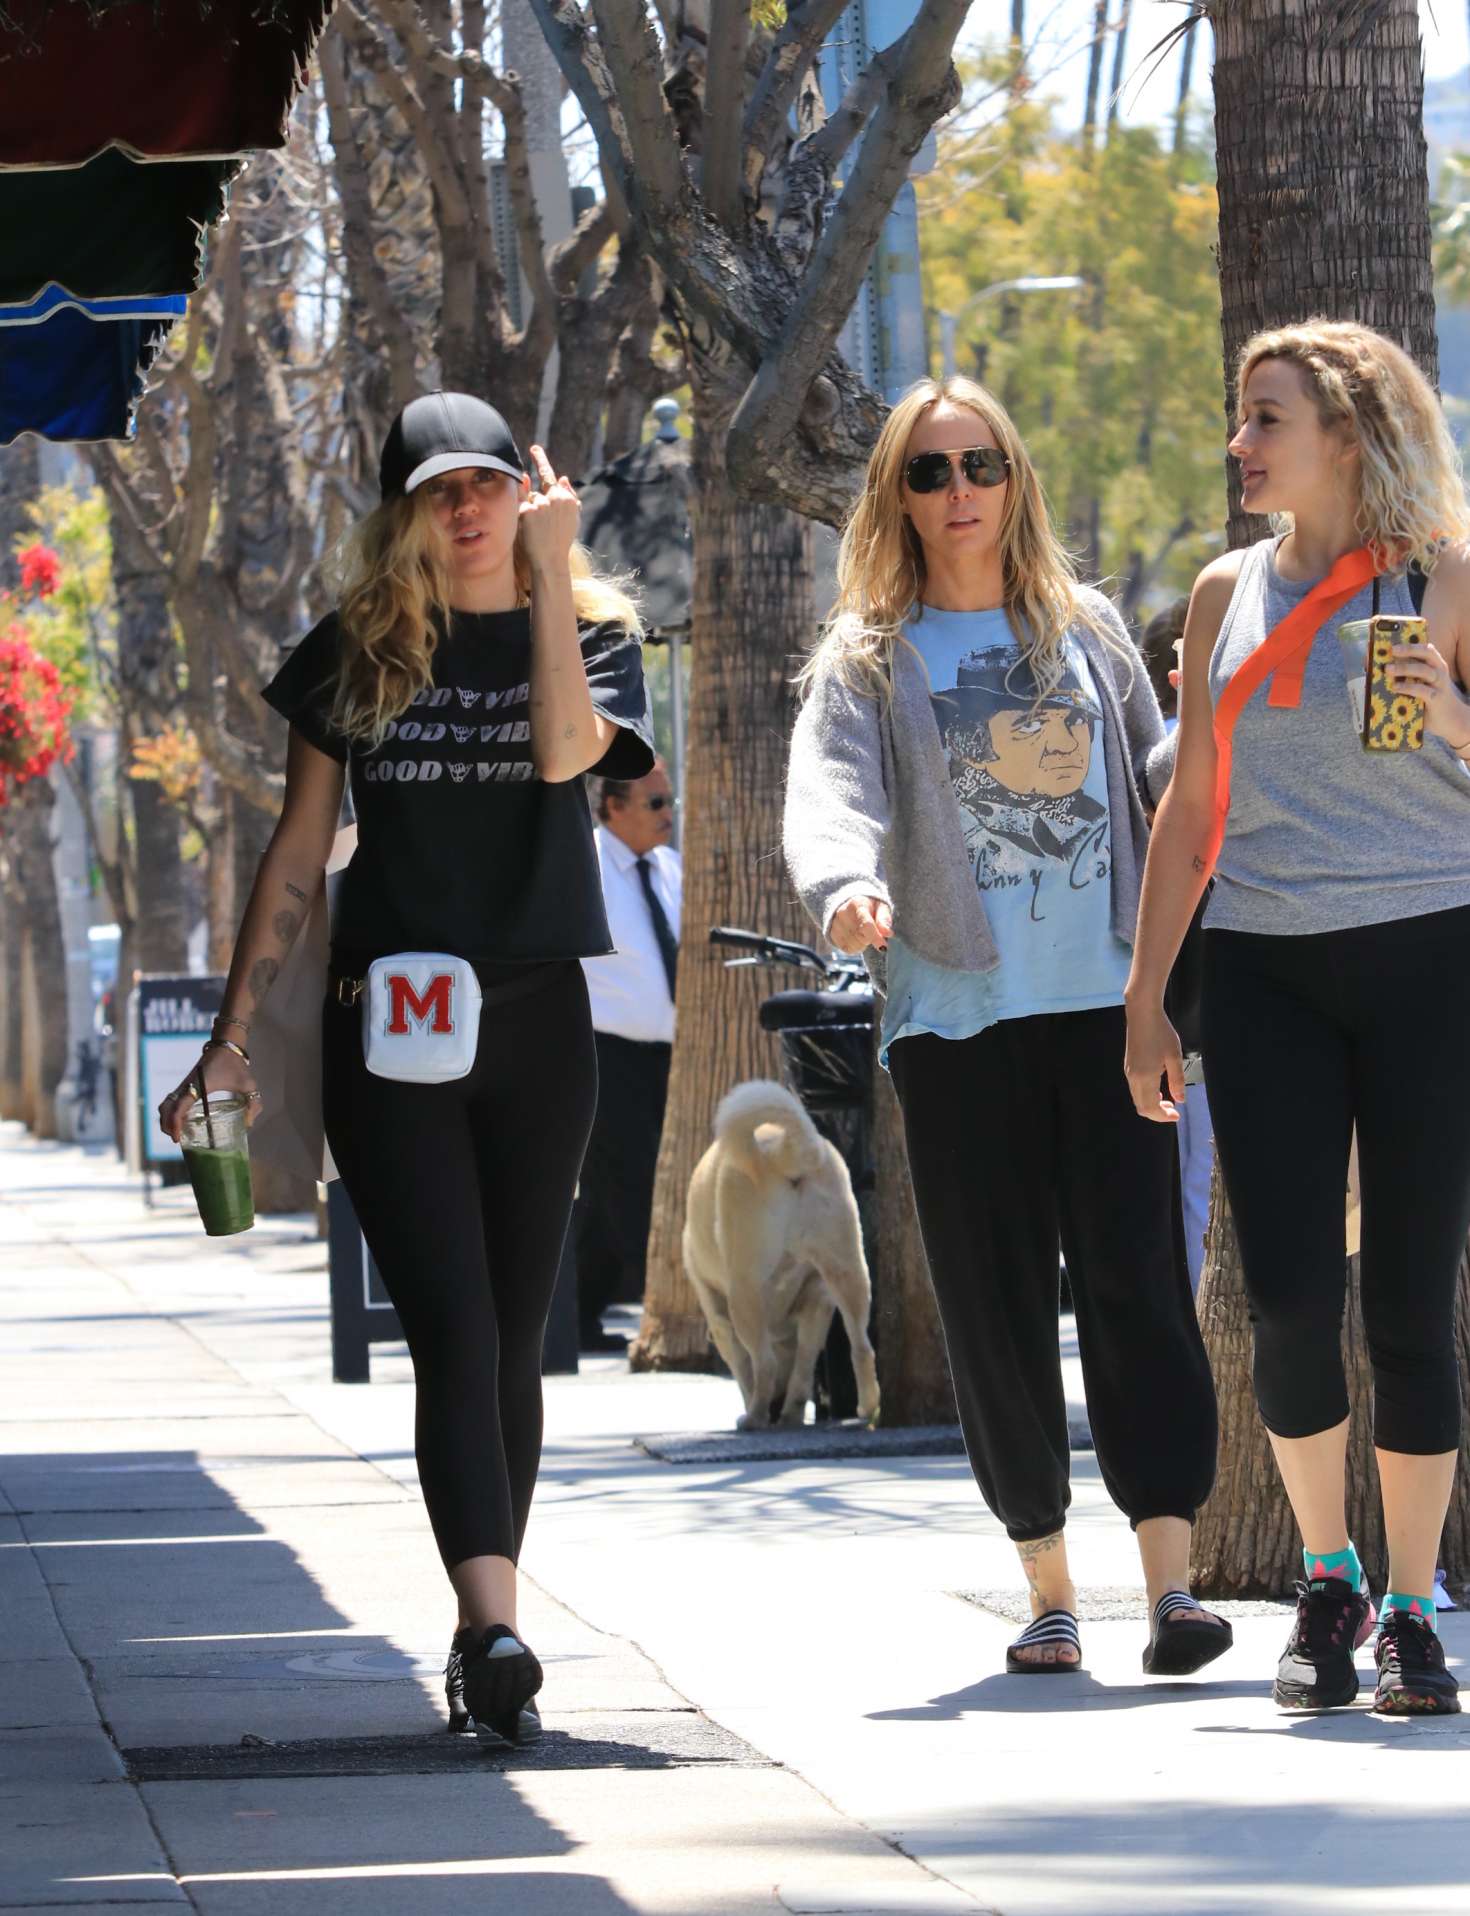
807, 24
630, 50
571, 257
724, 109
920, 91
365, 273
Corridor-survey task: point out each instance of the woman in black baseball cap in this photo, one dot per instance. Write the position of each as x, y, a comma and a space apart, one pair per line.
474, 668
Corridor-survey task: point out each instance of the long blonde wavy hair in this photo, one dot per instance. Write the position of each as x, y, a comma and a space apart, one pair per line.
1411, 491
393, 601
880, 562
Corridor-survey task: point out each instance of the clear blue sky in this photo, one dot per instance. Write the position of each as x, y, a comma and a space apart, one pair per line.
1061, 29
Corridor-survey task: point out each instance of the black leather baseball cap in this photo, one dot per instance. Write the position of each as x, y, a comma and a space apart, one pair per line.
440, 432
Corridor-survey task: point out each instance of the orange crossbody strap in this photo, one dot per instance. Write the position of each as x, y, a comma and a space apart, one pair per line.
1282, 657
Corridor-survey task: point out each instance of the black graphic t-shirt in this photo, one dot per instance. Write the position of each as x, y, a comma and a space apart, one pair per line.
460, 847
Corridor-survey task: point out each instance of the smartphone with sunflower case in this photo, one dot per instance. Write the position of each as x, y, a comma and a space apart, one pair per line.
1388, 721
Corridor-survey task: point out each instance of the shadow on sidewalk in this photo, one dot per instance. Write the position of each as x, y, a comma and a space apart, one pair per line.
289, 1761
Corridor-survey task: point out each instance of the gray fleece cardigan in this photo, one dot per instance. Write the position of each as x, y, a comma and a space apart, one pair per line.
871, 811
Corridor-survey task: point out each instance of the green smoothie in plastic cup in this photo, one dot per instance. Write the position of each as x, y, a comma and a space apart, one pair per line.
218, 1156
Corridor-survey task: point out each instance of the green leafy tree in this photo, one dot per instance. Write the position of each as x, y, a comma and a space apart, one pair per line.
1116, 387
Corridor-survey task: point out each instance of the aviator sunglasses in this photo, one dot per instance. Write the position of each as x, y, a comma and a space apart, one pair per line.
981, 465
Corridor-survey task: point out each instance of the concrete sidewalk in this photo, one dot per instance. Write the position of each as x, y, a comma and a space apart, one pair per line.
222, 1621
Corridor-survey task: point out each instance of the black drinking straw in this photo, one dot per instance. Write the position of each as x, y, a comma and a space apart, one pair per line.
204, 1100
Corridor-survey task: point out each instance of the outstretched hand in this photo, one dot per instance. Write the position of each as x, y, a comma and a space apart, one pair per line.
549, 518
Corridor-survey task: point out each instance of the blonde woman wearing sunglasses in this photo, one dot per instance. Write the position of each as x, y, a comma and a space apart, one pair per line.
965, 808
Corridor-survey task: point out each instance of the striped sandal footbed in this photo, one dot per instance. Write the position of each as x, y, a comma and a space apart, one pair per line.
1057, 1627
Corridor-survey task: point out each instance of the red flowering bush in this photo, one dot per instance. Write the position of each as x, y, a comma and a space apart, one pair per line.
40, 569
33, 712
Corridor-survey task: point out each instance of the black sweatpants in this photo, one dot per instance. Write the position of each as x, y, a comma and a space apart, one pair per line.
1302, 1038
1021, 1138
463, 1191
615, 1202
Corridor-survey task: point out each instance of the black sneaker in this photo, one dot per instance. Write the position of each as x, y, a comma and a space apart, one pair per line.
1412, 1679
1316, 1670
459, 1716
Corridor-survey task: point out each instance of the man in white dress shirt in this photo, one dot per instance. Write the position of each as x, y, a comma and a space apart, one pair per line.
632, 995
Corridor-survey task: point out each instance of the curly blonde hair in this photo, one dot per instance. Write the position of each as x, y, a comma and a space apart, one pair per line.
880, 562
393, 604
1411, 491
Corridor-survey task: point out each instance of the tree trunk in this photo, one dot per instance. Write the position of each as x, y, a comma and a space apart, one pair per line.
12, 939
913, 1364
156, 929
1324, 208
1120, 55
1186, 77
1323, 181
752, 615
43, 971
1094, 74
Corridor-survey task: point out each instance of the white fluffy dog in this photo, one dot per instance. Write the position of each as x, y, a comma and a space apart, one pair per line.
771, 1242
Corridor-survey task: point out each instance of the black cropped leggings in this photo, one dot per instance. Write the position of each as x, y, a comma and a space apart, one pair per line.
1022, 1139
1302, 1038
464, 1191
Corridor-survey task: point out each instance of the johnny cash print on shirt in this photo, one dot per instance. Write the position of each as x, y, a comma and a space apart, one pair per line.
461, 848
1028, 778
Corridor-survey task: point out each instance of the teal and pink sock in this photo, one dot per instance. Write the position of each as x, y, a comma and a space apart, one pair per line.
1420, 1607
1334, 1563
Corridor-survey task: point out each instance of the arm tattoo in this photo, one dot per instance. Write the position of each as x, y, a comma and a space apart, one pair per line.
570, 732
284, 925
296, 891
1199, 863
263, 974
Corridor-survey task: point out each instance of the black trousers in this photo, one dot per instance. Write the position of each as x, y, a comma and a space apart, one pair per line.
463, 1191
615, 1203
1021, 1139
1303, 1037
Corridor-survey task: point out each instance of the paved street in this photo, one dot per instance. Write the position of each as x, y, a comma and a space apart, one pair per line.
768, 1686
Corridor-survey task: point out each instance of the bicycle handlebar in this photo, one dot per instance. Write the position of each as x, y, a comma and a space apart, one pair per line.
774, 948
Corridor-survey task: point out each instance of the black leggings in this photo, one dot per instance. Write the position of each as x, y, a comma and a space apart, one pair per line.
1302, 1038
1021, 1138
463, 1192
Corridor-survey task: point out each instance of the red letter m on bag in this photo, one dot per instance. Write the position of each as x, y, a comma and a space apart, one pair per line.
431, 1007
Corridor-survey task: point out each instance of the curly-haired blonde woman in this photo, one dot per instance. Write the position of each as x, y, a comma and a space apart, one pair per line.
964, 807
473, 670
1337, 945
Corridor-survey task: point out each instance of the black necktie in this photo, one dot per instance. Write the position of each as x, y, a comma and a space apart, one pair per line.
668, 945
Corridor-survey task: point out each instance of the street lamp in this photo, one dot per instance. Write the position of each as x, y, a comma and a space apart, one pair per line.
949, 322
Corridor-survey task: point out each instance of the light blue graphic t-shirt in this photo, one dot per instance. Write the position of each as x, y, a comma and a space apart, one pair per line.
1031, 784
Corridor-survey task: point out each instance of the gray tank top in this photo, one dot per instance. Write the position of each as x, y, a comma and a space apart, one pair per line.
1323, 835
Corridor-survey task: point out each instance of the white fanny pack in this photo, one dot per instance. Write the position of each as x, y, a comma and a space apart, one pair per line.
421, 1017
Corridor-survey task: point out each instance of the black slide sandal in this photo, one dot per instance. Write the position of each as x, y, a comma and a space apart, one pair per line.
1178, 1646
1051, 1627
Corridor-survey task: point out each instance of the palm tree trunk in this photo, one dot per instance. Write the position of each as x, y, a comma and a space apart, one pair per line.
752, 616
1324, 204
1324, 208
